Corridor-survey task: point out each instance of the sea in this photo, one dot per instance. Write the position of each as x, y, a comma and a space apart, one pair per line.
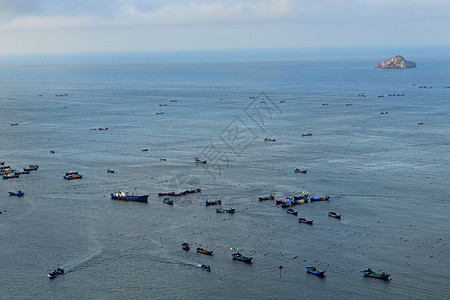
386, 175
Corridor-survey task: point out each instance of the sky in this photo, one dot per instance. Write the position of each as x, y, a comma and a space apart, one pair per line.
85, 26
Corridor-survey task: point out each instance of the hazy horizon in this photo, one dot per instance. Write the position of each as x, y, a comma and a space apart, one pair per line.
46, 26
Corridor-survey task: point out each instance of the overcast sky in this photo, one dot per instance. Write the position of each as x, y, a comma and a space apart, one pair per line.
62, 26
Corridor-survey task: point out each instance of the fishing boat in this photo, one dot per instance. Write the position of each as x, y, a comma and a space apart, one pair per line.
160, 113
269, 140
291, 211
230, 211
303, 220
419, 123
206, 252
165, 104
206, 268
384, 113
370, 273
271, 197
168, 201
10, 175
193, 190
334, 215
72, 176
300, 201
213, 202
18, 193
198, 161
300, 171
31, 168
125, 196
324, 198
110, 171
238, 256
288, 203
307, 134
176, 194
22, 172
185, 246
302, 196
103, 128
314, 271
58, 271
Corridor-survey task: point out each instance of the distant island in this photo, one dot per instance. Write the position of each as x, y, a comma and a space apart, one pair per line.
396, 62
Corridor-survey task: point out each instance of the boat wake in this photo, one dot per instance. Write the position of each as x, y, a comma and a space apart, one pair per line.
79, 264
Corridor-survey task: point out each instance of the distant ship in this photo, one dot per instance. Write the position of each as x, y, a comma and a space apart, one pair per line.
125, 196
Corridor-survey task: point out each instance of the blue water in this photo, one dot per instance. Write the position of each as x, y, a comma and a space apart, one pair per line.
386, 175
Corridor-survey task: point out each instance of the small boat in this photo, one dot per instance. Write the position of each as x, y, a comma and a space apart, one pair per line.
173, 100
334, 215
206, 252
165, 104
230, 211
72, 176
31, 168
22, 172
307, 134
287, 203
271, 197
185, 246
163, 194
300, 201
125, 196
14, 124
110, 171
419, 123
143, 150
198, 161
269, 140
380, 96
175, 194
11, 175
314, 271
348, 104
384, 113
163, 159
370, 273
160, 113
302, 196
238, 256
168, 201
324, 198
291, 211
213, 202
206, 268
18, 193
192, 191
58, 271
303, 220
300, 171
103, 128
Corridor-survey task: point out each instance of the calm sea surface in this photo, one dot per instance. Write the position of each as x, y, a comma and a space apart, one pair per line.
386, 175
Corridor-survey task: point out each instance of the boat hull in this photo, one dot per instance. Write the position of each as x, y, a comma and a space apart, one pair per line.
312, 270
142, 198
376, 275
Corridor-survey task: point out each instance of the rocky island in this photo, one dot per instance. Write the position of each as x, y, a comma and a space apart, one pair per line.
396, 62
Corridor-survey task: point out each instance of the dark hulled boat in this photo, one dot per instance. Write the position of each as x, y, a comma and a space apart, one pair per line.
204, 251
58, 271
125, 196
185, 246
334, 215
303, 220
238, 256
213, 202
